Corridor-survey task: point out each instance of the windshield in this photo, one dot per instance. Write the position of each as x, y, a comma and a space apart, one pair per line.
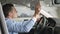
24, 11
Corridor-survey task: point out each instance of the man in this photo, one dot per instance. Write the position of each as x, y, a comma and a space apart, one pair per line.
15, 27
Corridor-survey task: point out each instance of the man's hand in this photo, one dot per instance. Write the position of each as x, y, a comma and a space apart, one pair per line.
37, 10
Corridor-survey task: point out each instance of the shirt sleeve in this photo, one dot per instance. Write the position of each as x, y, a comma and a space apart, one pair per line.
20, 27
28, 25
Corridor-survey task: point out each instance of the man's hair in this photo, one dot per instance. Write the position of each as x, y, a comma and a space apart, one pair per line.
7, 8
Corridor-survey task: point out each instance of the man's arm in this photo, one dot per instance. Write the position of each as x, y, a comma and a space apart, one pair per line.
25, 26
28, 25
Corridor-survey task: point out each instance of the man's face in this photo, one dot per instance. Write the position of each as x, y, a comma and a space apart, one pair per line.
13, 13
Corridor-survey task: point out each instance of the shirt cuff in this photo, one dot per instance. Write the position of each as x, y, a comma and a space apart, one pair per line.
34, 19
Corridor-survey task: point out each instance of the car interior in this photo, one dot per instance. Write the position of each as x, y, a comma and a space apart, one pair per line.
47, 23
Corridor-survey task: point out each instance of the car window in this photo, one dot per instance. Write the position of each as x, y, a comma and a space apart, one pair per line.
24, 11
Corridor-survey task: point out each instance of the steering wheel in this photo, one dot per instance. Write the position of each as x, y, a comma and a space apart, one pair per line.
41, 24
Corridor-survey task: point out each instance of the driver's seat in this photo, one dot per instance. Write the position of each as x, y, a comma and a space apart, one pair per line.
3, 25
